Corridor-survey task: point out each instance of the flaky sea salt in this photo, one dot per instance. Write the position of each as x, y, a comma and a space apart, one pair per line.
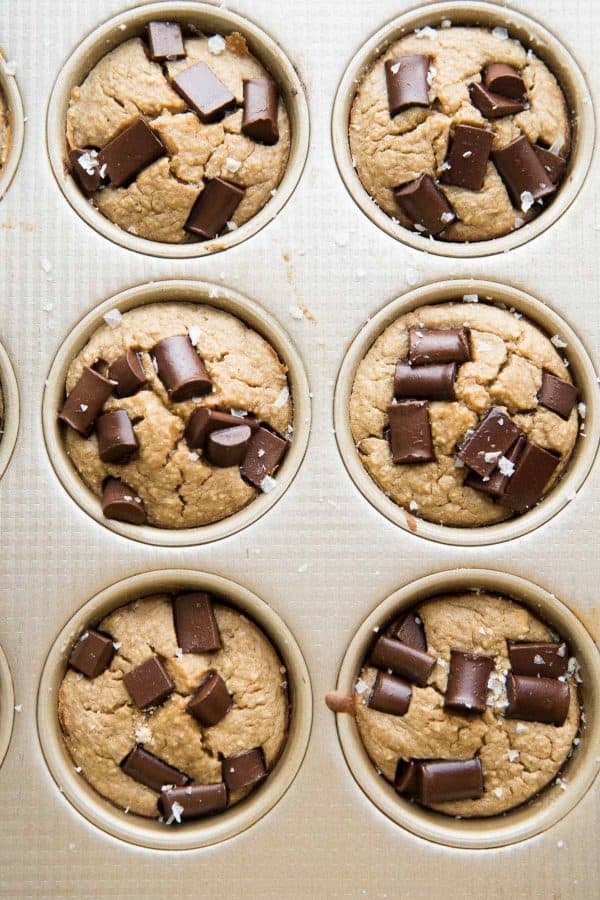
112, 318
413, 505
447, 217
395, 68
83, 407
194, 334
361, 687
458, 463
268, 484
558, 342
88, 161
506, 467
513, 755
232, 165
216, 44
527, 201
499, 792
500, 33
491, 456
426, 32
231, 225
538, 659
582, 409
193, 456
176, 811
470, 298
520, 728
282, 398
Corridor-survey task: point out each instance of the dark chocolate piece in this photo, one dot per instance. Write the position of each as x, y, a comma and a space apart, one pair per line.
193, 802
410, 432
152, 771
467, 160
406, 780
92, 653
195, 623
85, 402
438, 345
129, 374
538, 658
244, 769
522, 172
265, 452
180, 368
148, 684
406, 79
495, 485
259, 121
492, 438
211, 702
468, 676
557, 395
121, 502
165, 41
203, 421
213, 208
410, 631
85, 169
493, 106
441, 781
553, 163
433, 382
129, 152
502, 79
390, 695
425, 205
537, 699
117, 440
228, 447
409, 663
533, 471
204, 92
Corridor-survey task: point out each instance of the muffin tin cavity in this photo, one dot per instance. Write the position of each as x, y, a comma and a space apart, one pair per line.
9, 410
244, 808
7, 705
12, 124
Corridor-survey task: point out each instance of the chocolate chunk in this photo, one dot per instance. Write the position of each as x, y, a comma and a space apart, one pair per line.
495, 485
85, 169
260, 110
244, 769
557, 395
195, 623
410, 432
92, 653
151, 771
228, 447
121, 502
441, 781
522, 172
204, 421
85, 402
406, 780
434, 382
265, 452
438, 345
502, 79
117, 440
211, 702
468, 676
180, 368
468, 158
390, 695
493, 106
406, 79
389, 653
213, 208
204, 92
537, 699
533, 471
425, 205
165, 41
129, 374
129, 152
492, 438
409, 629
193, 801
553, 163
148, 684
538, 658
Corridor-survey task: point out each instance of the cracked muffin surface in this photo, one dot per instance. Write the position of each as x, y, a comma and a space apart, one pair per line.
180, 488
518, 758
389, 151
101, 724
126, 84
508, 358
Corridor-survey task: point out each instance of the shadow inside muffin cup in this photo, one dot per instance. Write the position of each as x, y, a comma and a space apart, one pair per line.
580, 366
196, 292
208, 19
541, 812
10, 416
531, 34
7, 705
9, 94
149, 832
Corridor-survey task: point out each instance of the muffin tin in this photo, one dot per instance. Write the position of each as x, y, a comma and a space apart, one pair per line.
9, 91
323, 558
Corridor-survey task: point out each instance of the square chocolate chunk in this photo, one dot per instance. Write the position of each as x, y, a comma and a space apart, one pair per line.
149, 683
92, 653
